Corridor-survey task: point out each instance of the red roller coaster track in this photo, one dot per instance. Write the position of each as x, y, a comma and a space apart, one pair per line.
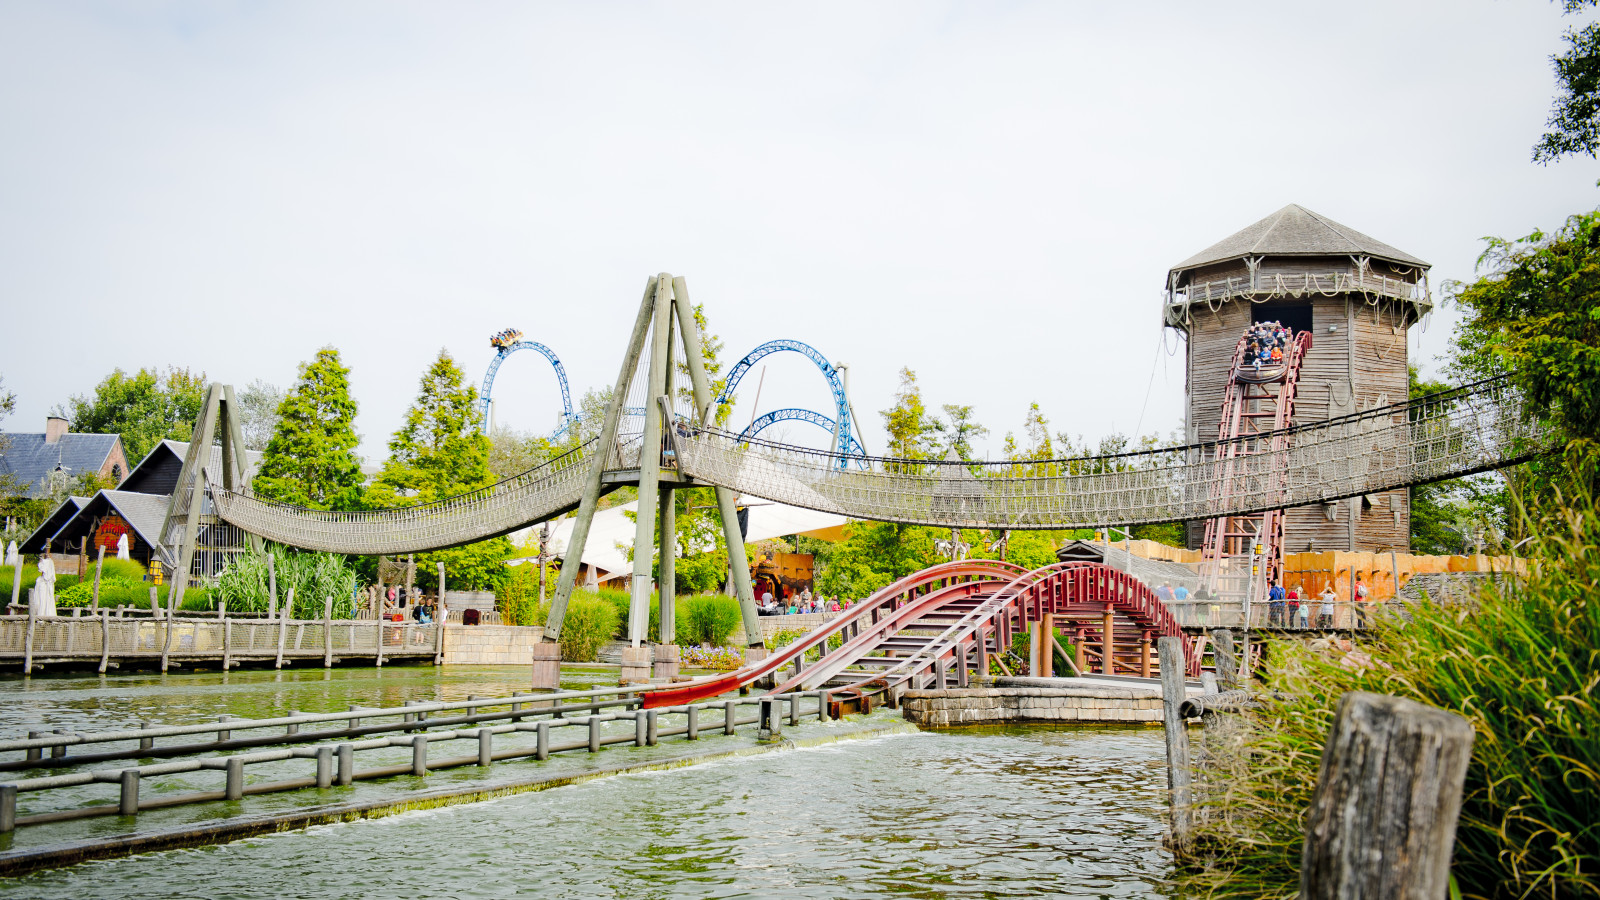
1243, 555
937, 623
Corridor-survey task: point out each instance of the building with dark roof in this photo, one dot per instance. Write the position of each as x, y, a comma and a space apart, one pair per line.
138, 509
1358, 296
41, 461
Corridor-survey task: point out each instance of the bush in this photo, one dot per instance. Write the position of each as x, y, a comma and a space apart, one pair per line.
590, 622
708, 619
30, 574
1521, 666
517, 597
313, 576
125, 569
620, 600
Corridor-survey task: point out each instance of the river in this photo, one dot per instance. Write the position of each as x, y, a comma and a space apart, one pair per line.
1017, 812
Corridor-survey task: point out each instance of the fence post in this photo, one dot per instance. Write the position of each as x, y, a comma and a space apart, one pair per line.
1179, 777
1383, 817
128, 802
227, 637
16, 582
100, 560
105, 639
174, 597
327, 632
441, 616
283, 623
1227, 662
27, 638
272, 589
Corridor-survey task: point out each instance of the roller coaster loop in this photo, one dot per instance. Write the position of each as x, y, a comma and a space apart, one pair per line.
847, 429
567, 416
852, 446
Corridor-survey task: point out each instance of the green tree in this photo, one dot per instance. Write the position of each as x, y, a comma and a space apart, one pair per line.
439, 453
1537, 314
1575, 117
144, 408
913, 432
962, 429
258, 413
711, 356
310, 460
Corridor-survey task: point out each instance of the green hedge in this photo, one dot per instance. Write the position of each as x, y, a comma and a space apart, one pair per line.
590, 622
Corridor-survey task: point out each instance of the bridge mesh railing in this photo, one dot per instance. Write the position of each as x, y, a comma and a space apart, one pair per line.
1470, 429
530, 497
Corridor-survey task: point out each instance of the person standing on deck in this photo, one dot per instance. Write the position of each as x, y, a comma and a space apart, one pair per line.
1275, 605
1363, 619
1325, 612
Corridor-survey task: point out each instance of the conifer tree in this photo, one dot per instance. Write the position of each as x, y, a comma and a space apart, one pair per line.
439, 453
310, 460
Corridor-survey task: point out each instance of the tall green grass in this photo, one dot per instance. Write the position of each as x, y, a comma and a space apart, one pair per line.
1523, 666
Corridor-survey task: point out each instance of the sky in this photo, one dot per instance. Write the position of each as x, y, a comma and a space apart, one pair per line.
989, 194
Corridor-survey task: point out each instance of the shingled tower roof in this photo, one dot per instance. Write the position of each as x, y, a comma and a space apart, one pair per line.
1296, 231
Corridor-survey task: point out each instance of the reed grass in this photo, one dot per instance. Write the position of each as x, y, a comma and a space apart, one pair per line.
1522, 664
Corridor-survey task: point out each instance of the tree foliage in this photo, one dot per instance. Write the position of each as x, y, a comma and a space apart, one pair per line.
1575, 117
1537, 314
144, 408
258, 413
439, 453
310, 460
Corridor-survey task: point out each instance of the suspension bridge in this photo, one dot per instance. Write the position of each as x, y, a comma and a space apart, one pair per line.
662, 439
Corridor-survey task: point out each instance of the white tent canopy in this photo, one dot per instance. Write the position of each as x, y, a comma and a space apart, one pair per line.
611, 534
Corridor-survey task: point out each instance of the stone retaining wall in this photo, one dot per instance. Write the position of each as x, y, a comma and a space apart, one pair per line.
1002, 705
490, 645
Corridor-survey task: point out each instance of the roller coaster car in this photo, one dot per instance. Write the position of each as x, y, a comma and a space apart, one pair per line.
505, 340
1263, 375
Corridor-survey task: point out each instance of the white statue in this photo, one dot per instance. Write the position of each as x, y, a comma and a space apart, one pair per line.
43, 600
122, 546
11, 554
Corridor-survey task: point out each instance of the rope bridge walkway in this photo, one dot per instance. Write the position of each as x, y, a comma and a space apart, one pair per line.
1474, 428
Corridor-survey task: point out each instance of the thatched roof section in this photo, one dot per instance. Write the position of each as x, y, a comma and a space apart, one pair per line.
1297, 231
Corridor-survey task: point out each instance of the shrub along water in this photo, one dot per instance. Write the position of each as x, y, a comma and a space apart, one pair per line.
1522, 664
590, 622
313, 576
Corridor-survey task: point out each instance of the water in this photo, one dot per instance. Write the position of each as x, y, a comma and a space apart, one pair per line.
1016, 812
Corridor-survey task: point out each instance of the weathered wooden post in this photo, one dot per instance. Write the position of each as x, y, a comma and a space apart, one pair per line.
27, 637
1383, 818
16, 582
442, 617
283, 624
227, 636
1227, 663
1108, 632
327, 632
272, 588
1179, 776
174, 596
105, 640
100, 561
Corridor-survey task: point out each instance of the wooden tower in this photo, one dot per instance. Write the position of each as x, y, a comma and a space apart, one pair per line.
1356, 295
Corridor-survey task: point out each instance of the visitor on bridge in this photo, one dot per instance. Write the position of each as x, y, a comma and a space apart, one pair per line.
1361, 608
1325, 611
1293, 603
1276, 605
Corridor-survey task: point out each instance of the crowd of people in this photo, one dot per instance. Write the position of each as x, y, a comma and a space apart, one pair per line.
1266, 343
1294, 607
796, 603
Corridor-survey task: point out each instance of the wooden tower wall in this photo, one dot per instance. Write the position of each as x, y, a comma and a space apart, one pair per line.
1359, 365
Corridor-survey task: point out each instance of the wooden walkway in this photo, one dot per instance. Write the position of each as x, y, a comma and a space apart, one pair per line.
109, 640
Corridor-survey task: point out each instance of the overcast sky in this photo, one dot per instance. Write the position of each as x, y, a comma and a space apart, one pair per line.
990, 194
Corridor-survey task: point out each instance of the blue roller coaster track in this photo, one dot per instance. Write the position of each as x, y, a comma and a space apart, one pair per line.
843, 425
568, 417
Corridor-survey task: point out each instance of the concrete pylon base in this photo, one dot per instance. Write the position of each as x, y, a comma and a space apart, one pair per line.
635, 666
754, 655
667, 660
546, 666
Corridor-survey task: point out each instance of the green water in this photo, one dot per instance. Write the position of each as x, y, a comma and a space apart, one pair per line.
986, 812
